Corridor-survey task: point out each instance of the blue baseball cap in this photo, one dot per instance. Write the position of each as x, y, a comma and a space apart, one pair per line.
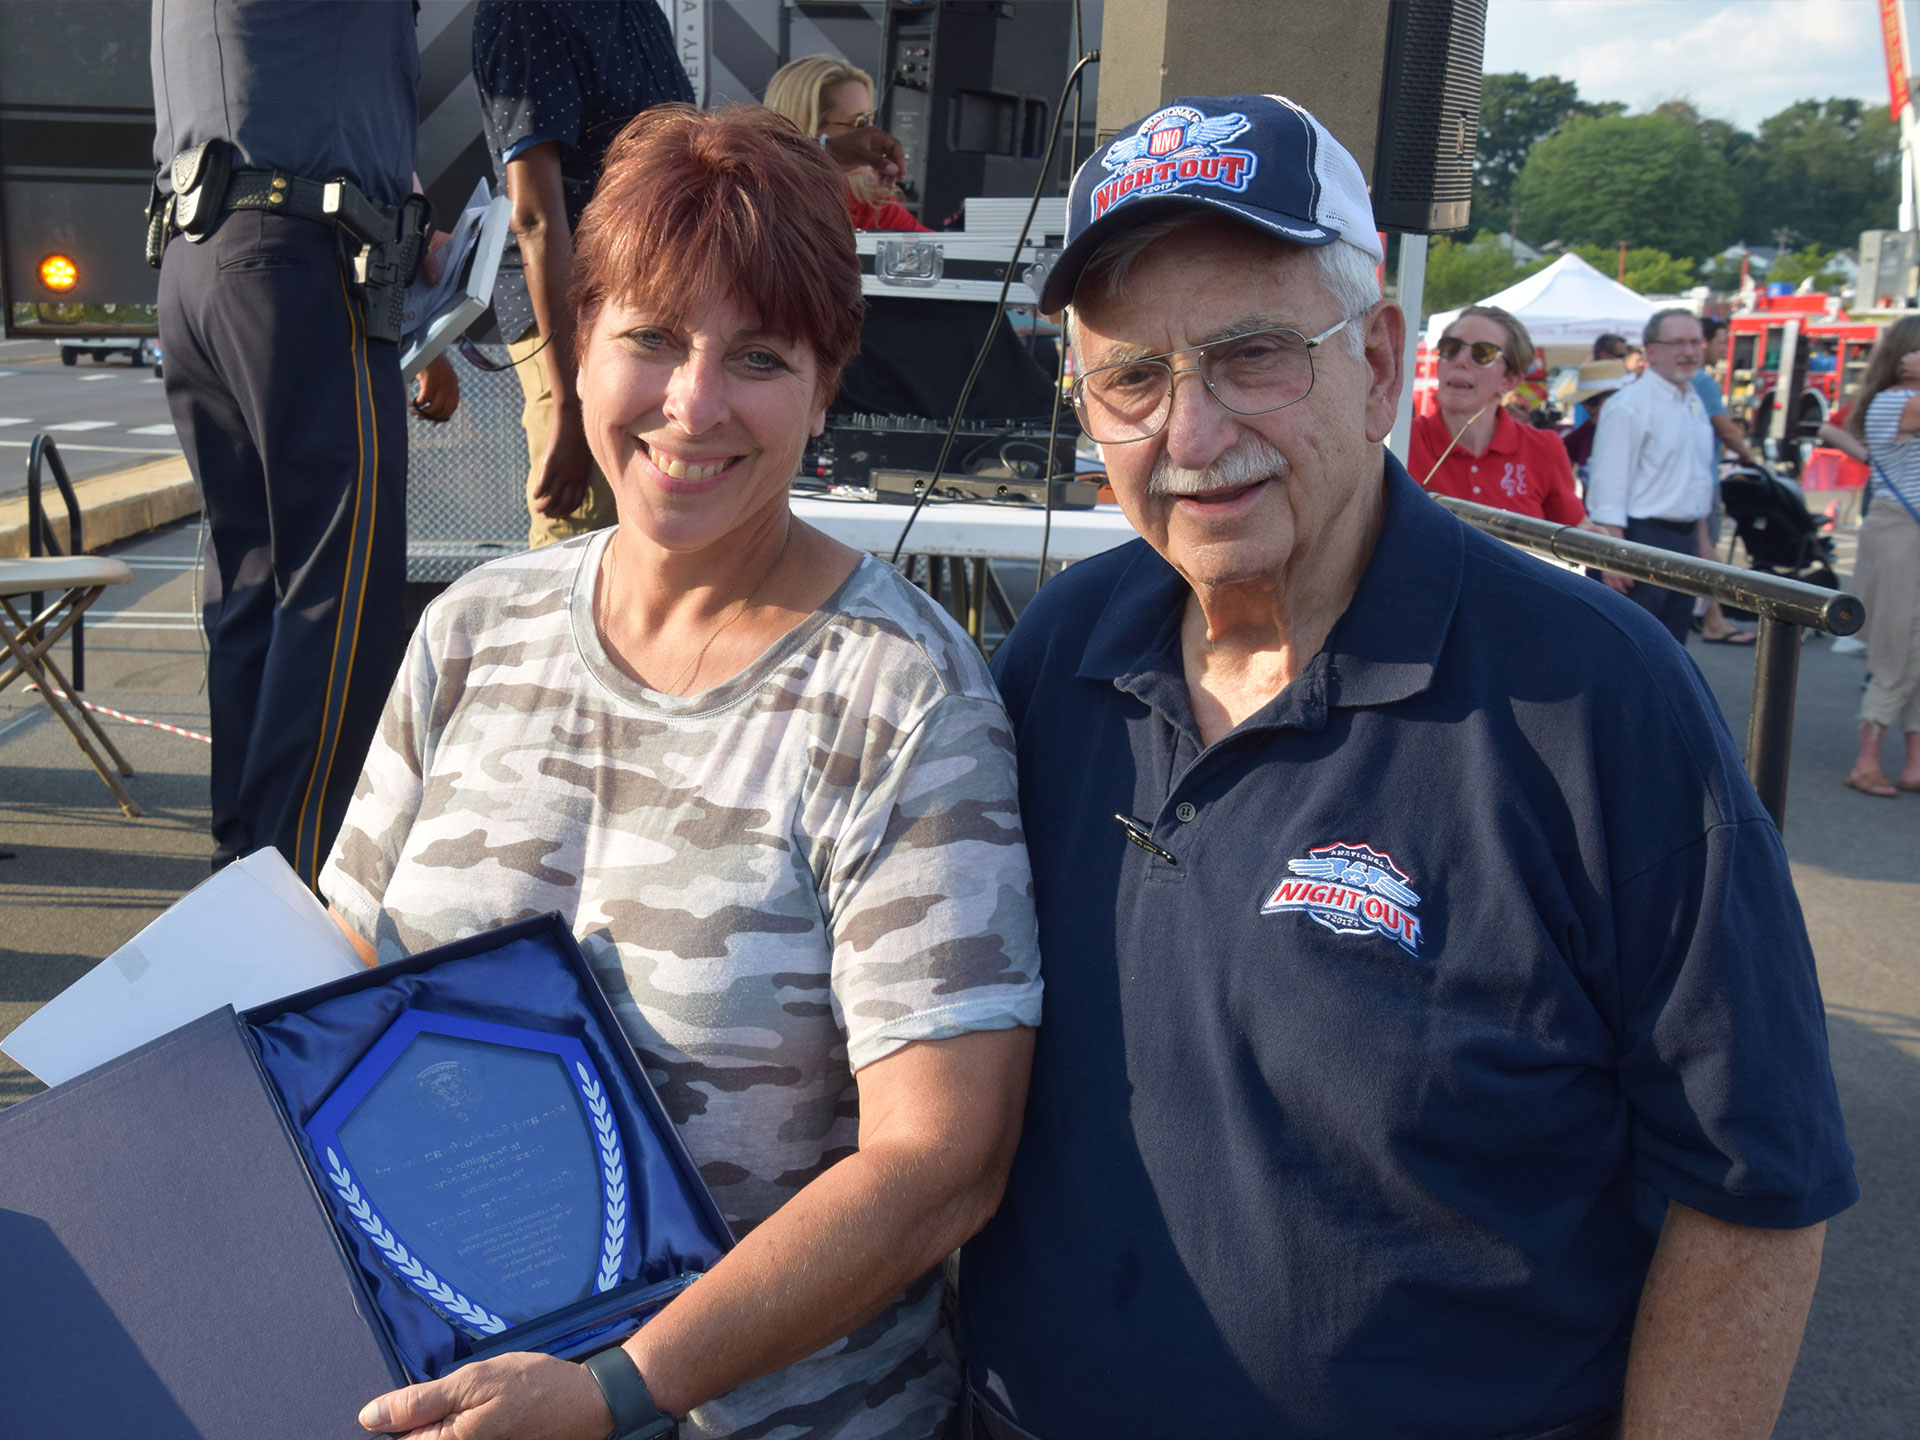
1260, 159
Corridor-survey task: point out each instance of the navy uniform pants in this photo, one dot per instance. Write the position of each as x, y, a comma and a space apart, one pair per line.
293, 424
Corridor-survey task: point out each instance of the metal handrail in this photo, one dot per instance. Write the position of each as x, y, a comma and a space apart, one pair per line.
40, 538
1783, 605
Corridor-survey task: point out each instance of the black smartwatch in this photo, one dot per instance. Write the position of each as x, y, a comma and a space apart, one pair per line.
635, 1416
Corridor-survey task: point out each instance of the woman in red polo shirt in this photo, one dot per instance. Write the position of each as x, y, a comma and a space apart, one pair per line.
1471, 448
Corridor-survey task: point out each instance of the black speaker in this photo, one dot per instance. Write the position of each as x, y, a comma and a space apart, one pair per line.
1429, 115
969, 89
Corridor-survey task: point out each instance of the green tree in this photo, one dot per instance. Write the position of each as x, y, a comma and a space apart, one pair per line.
1459, 274
1647, 179
1821, 172
1516, 112
72, 312
1809, 260
1649, 272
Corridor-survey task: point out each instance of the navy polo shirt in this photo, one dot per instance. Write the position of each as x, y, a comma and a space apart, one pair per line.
1359, 1115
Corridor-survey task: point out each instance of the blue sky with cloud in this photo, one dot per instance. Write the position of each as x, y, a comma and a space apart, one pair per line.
1737, 60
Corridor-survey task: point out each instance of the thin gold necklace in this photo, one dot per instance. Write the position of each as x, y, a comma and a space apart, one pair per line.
739, 607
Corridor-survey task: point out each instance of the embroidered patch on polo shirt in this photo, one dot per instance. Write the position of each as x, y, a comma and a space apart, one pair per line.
1352, 890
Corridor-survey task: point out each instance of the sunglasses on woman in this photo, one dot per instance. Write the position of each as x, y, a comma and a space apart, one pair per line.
1484, 352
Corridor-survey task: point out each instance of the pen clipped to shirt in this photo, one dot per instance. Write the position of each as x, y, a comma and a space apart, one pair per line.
1141, 834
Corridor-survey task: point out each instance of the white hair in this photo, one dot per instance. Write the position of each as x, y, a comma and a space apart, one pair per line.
1347, 272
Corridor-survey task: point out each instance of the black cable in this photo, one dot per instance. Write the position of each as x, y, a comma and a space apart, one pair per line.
1000, 306
471, 352
1060, 372
966, 465
1046, 456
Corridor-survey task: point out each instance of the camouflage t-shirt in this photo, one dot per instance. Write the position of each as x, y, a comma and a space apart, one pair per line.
777, 881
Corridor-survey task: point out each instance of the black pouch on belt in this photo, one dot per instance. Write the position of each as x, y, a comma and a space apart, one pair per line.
200, 187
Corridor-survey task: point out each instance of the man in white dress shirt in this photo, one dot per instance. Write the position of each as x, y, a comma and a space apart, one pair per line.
1651, 476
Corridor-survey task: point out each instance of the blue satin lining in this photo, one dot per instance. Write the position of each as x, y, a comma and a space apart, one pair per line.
526, 981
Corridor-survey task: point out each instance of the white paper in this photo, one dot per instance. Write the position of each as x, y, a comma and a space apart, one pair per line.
250, 934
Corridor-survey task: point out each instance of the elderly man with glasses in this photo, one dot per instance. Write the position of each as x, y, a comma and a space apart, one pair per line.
1651, 477
1432, 1042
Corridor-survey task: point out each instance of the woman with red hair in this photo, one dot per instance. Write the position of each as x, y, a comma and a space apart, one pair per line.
770, 784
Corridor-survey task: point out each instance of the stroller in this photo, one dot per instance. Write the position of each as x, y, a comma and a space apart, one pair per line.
1781, 536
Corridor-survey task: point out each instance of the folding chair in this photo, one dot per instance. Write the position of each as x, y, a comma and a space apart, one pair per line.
81, 579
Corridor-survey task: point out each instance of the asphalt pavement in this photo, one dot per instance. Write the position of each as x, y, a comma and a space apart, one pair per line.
103, 415
78, 880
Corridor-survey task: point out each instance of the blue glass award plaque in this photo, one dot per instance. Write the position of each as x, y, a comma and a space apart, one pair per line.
483, 1162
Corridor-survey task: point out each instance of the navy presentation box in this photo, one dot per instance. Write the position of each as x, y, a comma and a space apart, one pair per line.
171, 1268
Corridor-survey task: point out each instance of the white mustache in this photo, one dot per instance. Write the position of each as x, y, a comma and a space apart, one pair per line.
1252, 459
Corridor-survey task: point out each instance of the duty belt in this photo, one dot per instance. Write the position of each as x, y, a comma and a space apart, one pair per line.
383, 245
279, 192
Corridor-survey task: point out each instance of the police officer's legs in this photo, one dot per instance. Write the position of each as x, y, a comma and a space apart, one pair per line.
288, 412
237, 592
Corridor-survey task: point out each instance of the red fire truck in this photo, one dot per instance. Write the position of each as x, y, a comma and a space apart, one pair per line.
1826, 355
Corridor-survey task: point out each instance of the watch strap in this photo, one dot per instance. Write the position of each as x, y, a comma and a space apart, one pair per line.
635, 1416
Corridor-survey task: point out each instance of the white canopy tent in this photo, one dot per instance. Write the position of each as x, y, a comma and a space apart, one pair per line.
1565, 305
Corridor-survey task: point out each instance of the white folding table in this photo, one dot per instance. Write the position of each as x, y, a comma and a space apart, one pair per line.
966, 534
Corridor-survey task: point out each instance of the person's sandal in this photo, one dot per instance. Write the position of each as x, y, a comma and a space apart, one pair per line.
1871, 783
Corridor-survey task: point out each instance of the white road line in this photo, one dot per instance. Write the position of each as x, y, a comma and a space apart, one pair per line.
80, 425
103, 449
13, 420
20, 722
142, 624
102, 376
93, 615
164, 429
153, 380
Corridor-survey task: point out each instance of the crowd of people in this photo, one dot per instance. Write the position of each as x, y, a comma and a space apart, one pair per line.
1431, 1043
1646, 445
1654, 468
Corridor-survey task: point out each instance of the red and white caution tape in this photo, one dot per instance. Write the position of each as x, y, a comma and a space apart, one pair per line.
130, 719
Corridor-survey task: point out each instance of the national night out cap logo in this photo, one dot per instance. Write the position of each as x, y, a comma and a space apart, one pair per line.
1174, 149
1352, 890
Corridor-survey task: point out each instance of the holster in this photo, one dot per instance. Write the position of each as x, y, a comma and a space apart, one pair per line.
383, 268
159, 223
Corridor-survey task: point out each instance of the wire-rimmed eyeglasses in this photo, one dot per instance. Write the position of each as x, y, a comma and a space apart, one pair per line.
1249, 374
